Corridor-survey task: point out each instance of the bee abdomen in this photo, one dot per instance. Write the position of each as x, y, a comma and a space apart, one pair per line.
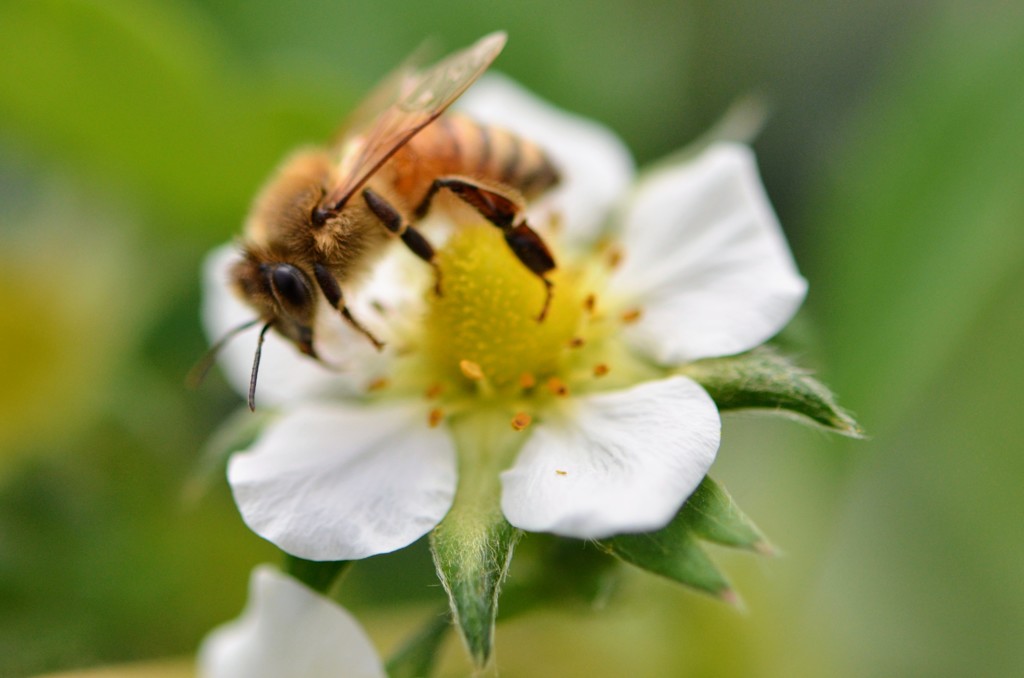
497, 155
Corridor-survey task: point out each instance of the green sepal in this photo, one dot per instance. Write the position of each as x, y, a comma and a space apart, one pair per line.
473, 545
764, 379
472, 554
713, 516
417, 657
675, 551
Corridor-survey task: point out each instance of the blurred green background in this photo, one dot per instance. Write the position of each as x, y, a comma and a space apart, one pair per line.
133, 133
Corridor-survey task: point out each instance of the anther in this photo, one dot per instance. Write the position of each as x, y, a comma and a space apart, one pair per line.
557, 387
521, 421
631, 316
600, 370
435, 417
527, 380
560, 472
576, 342
434, 390
471, 370
590, 303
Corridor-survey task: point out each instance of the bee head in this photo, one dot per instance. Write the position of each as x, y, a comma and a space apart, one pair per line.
282, 294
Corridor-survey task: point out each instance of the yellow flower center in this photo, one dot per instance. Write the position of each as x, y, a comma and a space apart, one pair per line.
483, 329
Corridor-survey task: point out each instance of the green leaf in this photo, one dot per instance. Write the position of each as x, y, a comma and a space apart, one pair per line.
418, 655
473, 545
675, 552
321, 576
763, 379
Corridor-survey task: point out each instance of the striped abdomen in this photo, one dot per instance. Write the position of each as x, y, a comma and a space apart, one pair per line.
456, 145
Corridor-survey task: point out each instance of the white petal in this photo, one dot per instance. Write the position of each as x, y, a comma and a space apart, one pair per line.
706, 260
623, 462
337, 482
596, 166
288, 630
285, 374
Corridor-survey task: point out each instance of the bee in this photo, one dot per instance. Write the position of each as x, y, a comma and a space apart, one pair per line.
329, 212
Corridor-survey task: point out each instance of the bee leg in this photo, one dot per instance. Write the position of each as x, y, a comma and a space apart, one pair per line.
332, 292
505, 213
530, 249
412, 238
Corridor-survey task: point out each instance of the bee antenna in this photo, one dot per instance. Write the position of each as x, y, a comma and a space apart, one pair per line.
198, 373
256, 366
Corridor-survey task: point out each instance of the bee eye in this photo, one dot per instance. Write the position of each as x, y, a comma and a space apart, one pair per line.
290, 286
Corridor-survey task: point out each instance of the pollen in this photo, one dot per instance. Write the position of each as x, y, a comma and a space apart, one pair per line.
614, 257
485, 324
435, 417
378, 384
631, 316
521, 421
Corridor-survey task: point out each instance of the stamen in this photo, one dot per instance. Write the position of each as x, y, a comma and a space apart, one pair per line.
560, 472
557, 387
434, 390
521, 421
631, 316
590, 303
576, 342
435, 417
471, 370
527, 381
600, 370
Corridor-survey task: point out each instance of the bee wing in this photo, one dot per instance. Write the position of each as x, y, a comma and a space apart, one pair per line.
384, 94
421, 98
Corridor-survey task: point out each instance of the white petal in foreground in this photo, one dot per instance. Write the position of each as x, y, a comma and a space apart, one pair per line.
706, 260
285, 374
288, 630
624, 462
596, 166
341, 482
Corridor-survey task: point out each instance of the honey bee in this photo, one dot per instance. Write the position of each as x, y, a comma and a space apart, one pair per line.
328, 212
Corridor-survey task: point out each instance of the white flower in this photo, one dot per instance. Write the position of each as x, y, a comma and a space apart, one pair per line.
288, 630
689, 263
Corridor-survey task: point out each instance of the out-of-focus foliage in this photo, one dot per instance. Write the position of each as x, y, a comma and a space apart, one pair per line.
133, 135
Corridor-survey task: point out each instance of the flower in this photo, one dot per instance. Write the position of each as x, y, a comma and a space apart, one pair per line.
599, 433
288, 630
